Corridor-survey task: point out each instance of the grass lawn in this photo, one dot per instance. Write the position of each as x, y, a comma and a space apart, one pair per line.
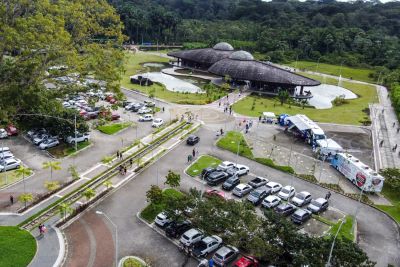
8, 178
64, 149
131, 262
201, 163
133, 66
230, 142
113, 128
347, 72
151, 211
346, 230
17, 247
350, 113
394, 197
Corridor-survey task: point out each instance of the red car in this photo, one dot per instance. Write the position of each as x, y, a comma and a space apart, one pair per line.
246, 261
216, 193
11, 130
115, 116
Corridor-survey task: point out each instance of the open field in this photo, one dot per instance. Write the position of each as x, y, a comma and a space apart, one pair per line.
350, 113
201, 163
347, 72
18, 245
233, 141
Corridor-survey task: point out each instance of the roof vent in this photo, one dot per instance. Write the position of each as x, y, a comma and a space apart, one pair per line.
223, 46
241, 55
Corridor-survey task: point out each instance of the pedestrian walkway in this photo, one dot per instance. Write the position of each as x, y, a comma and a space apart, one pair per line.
227, 101
48, 249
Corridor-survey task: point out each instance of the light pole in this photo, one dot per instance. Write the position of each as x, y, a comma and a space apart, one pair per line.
328, 264
116, 234
4, 169
358, 207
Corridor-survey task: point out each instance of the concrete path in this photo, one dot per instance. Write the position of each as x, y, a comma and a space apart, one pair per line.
49, 247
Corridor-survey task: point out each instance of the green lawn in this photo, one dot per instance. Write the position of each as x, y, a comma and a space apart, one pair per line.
113, 128
131, 262
350, 113
231, 141
347, 72
133, 66
151, 211
17, 247
394, 197
346, 230
63, 149
8, 178
201, 163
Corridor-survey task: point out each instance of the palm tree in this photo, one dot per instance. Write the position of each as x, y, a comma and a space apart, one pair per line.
22, 172
53, 165
25, 197
65, 209
89, 193
107, 184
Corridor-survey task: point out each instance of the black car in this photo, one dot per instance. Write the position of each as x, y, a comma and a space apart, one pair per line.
231, 172
135, 107
125, 103
300, 216
176, 229
207, 171
231, 183
285, 209
192, 140
217, 177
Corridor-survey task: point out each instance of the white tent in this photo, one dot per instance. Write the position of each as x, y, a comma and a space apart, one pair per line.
326, 146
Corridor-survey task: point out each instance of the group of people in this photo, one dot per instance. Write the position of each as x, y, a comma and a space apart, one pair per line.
42, 229
193, 155
123, 167
248, 124
119, 155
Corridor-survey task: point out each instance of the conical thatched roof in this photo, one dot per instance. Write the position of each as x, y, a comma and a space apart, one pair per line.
241, 66
205, 55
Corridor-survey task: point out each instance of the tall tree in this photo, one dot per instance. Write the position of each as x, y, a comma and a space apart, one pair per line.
53, 166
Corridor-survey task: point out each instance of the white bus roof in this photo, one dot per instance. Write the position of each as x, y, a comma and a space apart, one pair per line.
329, 144
302, 122
356, 162
269, 114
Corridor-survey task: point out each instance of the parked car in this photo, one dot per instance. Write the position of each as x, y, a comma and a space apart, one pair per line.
225, 255
214, 193
318, 205
157, 123
175, 229
6, 155
126, 103
258, 181
48, 143
4, 149
40, 138
271, 202
144, 111
206, 246
162, 219
287, 192
231, 183
146, 117
149, 103
246, 261
257, 195
3, 133
216, 178
241, 169
11, 130
80, 137
300, 216
135, 107
241, 190
115, 116
190, 237
225, 165
130, 106
285, 209
34, 132
301, 199
9, 164
206, 171
192, 140
275, 187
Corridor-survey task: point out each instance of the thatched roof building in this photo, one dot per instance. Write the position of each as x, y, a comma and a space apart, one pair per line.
202, 58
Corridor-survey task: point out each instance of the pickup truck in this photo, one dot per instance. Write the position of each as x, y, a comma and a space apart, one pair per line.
258, 181
79, 138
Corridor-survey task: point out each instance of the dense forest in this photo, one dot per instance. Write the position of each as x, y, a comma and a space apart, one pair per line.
358, 34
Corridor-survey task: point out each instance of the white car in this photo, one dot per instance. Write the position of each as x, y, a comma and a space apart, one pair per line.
225, 165
301, 199
79, 138
3, 133
275, 187
51, 142
287, 192
9, 164
241, 169
157, 122
271, 202
4, 149
144, 110
206, 245
40, 138
162, 219
190, 237
242, 189
147, 117
6, 155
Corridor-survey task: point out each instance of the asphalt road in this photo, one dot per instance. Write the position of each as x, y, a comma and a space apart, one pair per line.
377, 234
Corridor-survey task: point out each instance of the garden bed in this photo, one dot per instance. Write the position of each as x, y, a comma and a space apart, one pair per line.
113, 128
64, 149
201, 163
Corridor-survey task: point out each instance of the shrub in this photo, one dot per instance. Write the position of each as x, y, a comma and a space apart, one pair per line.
271, 163
339, 100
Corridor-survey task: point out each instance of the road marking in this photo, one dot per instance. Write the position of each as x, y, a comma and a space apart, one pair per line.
57, 195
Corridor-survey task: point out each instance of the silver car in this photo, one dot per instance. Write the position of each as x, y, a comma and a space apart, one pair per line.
241, 190
9, 164
3, 133
301, 199
225, 255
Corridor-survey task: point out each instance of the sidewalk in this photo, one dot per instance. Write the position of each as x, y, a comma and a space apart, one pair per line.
49, 248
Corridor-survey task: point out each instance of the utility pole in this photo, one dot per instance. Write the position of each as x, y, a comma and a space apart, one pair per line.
328, 264
76, 143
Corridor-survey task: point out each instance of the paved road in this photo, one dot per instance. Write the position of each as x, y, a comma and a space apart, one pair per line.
377, 234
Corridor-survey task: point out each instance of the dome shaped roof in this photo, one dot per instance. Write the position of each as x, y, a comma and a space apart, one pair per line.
223, 46
241, 55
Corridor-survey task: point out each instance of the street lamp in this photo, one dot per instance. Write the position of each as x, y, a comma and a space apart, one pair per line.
328, 264
116, 234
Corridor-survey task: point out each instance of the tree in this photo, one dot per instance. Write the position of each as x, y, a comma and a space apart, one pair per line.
74, 173
23, 172
172, 179
392, 176
52, 185
25, 197
107, 184
64, 209
154, 194
89, 193
283, 96
52, 165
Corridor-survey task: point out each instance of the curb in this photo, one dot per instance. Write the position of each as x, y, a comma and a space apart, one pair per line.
61, 253
17, 182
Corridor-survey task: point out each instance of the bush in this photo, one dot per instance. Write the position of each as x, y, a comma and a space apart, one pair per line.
339, 100
271, 163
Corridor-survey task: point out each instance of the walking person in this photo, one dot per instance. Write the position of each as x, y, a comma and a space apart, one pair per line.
328, 195
11, 199
194, 153
124, 170
118, 154
188, 158
394, 124
398, 129
219, 103
130, 162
